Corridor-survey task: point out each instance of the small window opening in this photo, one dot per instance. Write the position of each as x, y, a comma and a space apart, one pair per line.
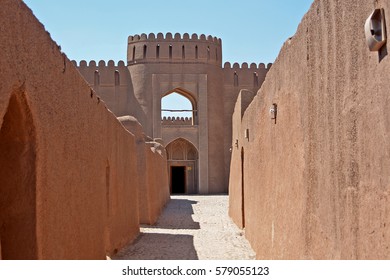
133, 53
196, 52
183, 54
96, 78
208, 53
255, 79
145, 49
158, 51
235, 79
117, 78
170, 51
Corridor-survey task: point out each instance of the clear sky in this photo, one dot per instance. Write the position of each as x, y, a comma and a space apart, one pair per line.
251, 30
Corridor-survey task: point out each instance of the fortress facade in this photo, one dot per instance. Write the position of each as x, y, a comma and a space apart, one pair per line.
310, 165
198, 147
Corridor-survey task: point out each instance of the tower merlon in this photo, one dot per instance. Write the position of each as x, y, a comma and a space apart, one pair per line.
101, 63
174, 49
244, 65
177, 37
245, 75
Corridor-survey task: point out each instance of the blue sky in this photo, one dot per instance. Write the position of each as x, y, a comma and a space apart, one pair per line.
176, 101
251, 30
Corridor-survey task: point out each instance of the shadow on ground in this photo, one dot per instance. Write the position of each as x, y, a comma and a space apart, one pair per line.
177, 215
157, 246
155, 243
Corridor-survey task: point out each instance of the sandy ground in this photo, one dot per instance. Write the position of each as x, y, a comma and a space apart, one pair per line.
190, 228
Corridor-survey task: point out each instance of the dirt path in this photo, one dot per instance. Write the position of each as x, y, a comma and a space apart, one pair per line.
191, 227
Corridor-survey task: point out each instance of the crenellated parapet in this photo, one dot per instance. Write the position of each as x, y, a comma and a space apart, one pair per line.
251, 76
103, 73
174, 49
176, 121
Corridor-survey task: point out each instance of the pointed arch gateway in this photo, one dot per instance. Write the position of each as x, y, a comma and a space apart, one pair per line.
182, 166
190, 112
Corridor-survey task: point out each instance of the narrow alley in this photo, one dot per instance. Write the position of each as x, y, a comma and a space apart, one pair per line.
191, 228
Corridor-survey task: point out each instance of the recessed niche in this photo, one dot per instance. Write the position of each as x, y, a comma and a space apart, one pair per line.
375, 30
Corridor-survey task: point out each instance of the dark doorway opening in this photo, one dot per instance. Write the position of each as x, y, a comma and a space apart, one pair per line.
178, 179
18, 182
242, 189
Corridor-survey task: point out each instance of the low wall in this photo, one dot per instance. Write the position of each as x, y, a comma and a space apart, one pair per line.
179, 121
159, 194
236, 202
68, 168
153, 192
317, 178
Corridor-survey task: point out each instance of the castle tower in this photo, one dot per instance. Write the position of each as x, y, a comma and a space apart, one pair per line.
191, 66
198, 147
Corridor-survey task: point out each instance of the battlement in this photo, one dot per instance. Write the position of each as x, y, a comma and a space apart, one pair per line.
101, 63
174, 49
244, 65
176, 121
176, 38
103, 73
244, 75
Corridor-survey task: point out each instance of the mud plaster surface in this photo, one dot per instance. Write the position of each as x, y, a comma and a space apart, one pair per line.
191, 227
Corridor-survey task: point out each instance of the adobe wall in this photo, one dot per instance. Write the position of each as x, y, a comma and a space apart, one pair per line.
153, 189
112, 82
156, 159
134, 127
68, 175
235, 179
235, 78
122, 186
316, 180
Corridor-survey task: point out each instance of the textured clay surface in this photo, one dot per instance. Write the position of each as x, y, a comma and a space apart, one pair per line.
316, 180
68, 168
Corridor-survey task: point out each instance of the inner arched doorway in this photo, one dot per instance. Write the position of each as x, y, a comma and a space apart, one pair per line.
18, 238
182, 167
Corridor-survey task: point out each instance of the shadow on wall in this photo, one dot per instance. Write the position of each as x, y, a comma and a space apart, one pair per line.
382, 53
17, 182
157, 243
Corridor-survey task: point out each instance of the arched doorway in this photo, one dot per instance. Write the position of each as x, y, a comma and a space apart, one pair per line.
18, 182
182, 167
